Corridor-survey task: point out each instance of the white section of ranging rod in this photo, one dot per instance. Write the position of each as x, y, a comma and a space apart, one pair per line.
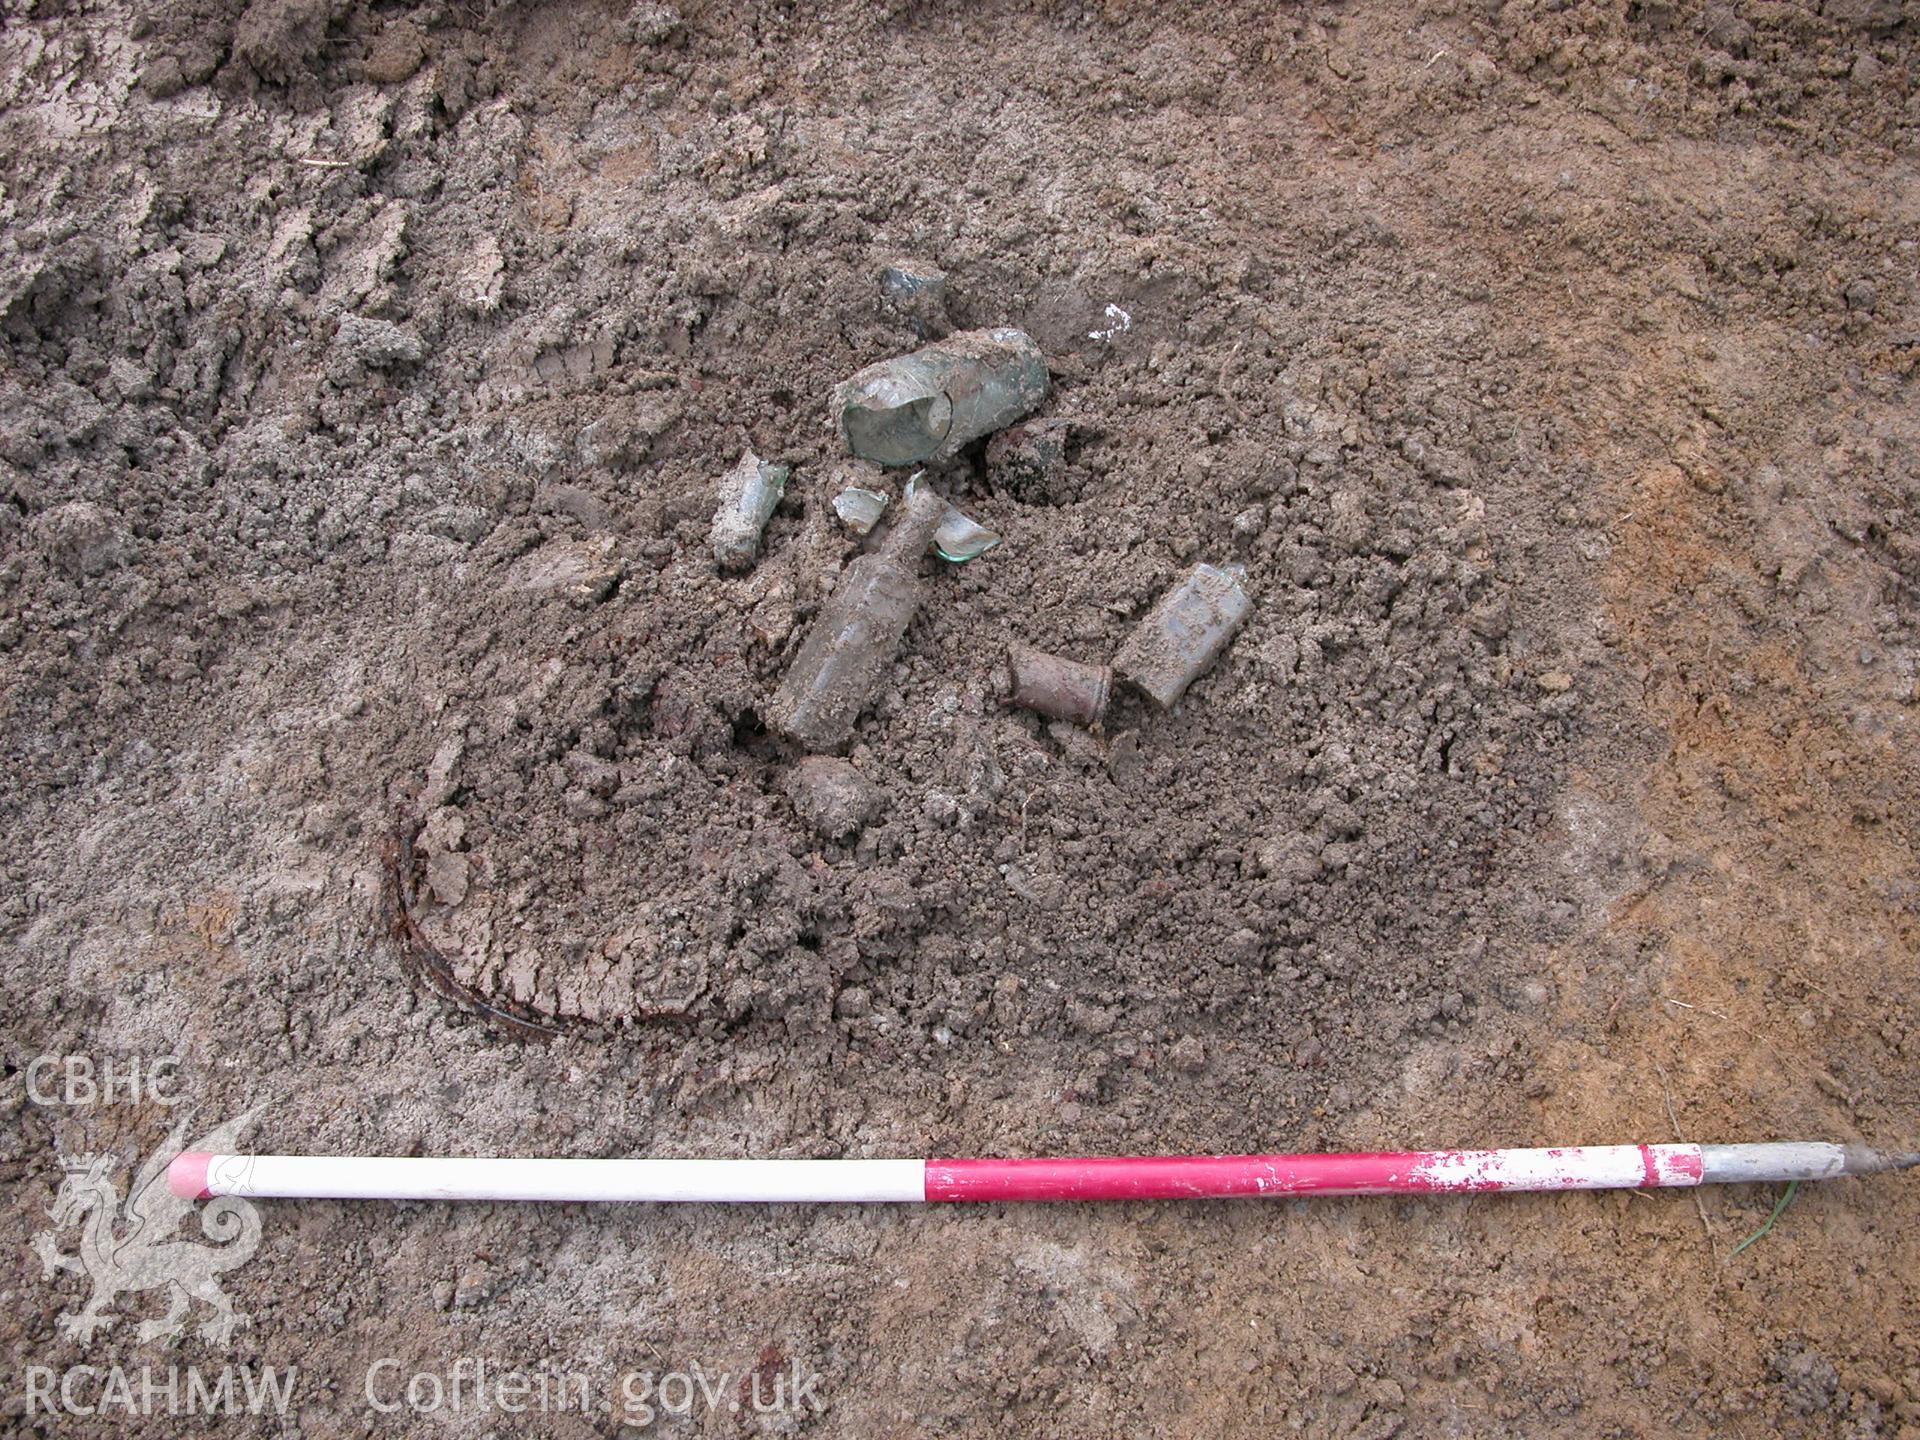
385, 1177
1139, 1177
1794, 1160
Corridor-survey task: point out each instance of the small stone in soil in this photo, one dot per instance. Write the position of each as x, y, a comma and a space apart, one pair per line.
831, 796
1188, 1054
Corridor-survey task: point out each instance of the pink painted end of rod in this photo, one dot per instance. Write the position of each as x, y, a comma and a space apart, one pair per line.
187, 1175
1194, 1177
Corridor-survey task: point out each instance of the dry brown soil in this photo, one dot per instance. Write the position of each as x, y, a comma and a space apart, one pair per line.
381, 739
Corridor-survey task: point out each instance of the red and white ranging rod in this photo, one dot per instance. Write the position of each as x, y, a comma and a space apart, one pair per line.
198, 1175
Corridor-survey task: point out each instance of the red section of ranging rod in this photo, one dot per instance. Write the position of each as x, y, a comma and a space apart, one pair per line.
1197, 1177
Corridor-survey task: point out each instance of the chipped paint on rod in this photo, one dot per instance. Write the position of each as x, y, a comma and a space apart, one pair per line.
196, 1175
1597, 1167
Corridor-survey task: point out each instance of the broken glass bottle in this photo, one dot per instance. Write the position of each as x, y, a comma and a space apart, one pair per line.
929, 404
1183, 635
847, 652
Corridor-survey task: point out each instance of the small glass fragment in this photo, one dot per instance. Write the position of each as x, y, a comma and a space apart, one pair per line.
748, 495
917, 294
859, 509
959, 538
910, 280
